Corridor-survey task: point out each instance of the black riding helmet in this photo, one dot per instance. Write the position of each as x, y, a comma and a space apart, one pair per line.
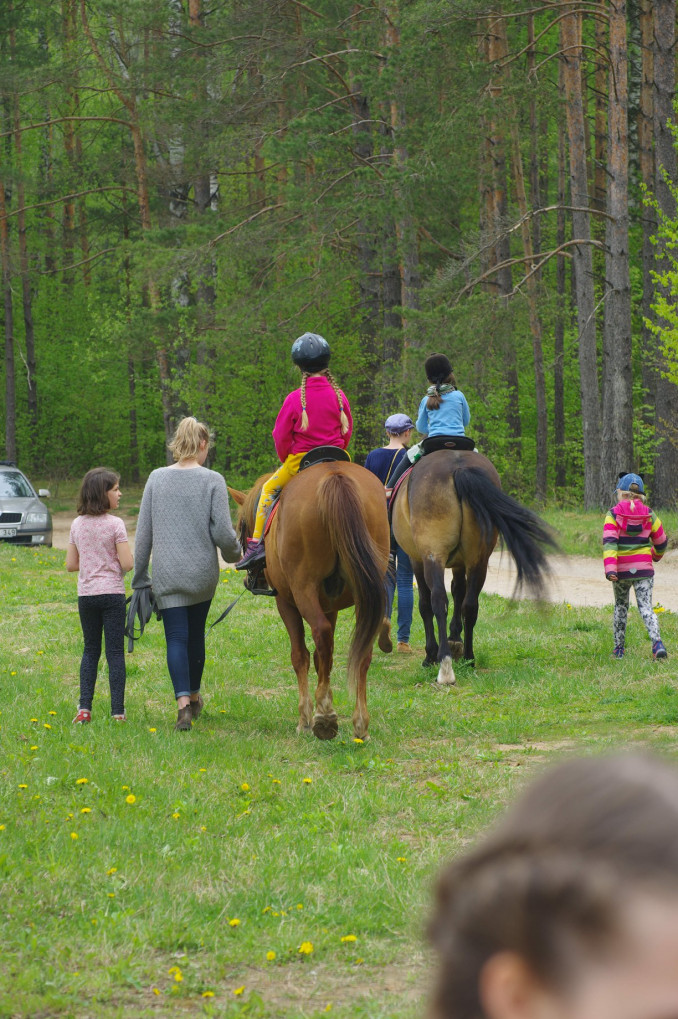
311, 352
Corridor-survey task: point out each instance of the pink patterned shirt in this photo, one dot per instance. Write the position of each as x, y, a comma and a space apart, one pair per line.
95, 539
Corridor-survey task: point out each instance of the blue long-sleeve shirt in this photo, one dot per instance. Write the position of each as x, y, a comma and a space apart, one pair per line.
450, 418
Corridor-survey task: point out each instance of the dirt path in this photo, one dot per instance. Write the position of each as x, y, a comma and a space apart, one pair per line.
576, 579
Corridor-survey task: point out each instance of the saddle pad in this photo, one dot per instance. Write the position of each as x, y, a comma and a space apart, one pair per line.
397, 488
269, 518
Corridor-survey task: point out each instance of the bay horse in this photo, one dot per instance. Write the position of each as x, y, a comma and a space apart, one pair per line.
448, 513
327, 548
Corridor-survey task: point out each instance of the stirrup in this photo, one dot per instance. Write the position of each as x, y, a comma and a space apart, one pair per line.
256, 583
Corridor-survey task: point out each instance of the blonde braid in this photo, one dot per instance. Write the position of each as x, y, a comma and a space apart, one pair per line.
304, 415
342, 413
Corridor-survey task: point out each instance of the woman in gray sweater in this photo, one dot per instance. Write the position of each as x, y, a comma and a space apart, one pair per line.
184, 518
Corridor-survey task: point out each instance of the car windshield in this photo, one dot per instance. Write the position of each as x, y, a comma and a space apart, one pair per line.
14, 486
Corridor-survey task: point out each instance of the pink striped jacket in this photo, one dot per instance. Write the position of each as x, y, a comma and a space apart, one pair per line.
633, 539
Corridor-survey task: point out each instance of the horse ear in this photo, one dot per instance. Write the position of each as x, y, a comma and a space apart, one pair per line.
239, 497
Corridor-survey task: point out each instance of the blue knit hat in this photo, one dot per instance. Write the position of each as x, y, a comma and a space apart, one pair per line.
630, 482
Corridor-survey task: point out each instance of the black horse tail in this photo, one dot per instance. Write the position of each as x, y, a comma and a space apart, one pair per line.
525, 535
360, 562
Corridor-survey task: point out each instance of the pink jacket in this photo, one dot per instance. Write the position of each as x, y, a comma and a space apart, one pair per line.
324, 424
633, 540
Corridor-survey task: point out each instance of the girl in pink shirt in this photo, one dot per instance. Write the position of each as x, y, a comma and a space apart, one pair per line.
316, 414
99, 551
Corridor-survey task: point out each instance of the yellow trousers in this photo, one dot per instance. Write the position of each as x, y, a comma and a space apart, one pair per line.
272, 488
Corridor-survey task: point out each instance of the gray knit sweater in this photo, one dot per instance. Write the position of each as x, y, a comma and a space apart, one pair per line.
184, 517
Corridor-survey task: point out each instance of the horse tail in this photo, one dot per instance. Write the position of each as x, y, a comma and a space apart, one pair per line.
360, 562
525, 534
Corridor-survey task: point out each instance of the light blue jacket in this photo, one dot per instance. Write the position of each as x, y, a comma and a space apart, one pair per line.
450, 418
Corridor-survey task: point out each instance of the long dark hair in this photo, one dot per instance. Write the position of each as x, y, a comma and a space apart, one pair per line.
551, 876
93, 494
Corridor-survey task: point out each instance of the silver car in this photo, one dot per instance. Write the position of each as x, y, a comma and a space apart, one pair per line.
24, 520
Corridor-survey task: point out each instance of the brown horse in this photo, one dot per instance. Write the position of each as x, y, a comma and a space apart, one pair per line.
448, 513
327, 549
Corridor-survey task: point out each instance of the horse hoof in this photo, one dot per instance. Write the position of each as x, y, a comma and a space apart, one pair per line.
446, 676
325, 727
457, 649
385, 643
302, 729
428, 662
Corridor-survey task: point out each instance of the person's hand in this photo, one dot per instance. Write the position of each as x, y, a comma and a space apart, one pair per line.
612, 576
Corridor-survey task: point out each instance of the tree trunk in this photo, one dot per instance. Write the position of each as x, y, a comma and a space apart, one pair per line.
559, 325
570, 39
617, 448
497, 50
649, 223
666, 433
10, 386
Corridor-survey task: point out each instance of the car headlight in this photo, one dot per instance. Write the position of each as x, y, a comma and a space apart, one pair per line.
37, 519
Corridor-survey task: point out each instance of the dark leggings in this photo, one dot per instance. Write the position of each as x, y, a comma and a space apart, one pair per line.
103, 613
185, 636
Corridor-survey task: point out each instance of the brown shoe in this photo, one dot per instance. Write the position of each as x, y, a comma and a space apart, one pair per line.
184, 719
197, 706
404, 648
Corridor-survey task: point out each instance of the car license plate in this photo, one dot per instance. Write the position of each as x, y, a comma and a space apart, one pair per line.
7, 532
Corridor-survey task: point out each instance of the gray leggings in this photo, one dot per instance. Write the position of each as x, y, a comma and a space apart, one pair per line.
643, 588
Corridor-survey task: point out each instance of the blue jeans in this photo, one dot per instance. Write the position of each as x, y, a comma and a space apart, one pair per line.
185, 637
403, 581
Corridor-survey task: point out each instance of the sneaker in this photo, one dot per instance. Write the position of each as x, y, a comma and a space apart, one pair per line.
119, 718
196, 707
658, 650
404, 648
254, 555
618, 651
184, 719
82, 716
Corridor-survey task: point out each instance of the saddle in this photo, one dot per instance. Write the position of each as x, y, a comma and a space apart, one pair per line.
433, 443
323, 455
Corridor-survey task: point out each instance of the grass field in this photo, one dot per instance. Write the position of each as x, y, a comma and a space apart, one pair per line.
240, 869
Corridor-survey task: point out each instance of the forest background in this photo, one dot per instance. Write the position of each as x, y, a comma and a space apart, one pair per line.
187, 186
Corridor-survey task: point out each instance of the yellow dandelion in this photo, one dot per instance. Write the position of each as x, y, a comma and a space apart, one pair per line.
13, 673
239, 990
112, 870
245, 787
270, 956
173, 969
178, 976
203, 827
74, 835
2, 827
50, 712
401, 859
307, 781
176, 815
86, 810
131, 798
42, 653
155, 990
276, 781
305, 948
34, 748
348, 937
235, 922
32, 719
359, 962
300, 905
202, 769
328, 1006
111, 895
207, 994
81, 781
46, 725
152, 730
125, 787
23, 785
267, 909
358, 740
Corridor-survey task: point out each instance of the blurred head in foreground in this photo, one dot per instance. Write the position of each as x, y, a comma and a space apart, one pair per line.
569, 908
